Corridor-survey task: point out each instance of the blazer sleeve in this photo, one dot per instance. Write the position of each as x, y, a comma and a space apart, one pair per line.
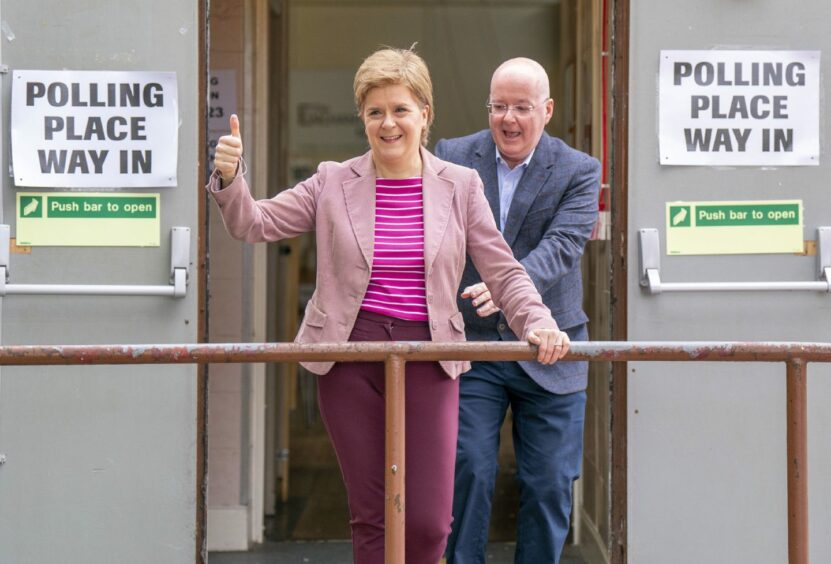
561, 246
288, 214
511, 288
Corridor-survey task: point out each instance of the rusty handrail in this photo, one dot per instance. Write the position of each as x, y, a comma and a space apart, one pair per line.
396, 354
738, 351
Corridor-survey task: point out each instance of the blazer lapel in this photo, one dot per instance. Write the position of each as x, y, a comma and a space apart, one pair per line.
359, 195
485, 165
535, 176
438, 197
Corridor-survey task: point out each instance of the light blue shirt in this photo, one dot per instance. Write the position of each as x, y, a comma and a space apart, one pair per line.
508, 179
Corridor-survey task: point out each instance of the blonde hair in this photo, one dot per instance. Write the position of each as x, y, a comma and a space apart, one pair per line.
389, 66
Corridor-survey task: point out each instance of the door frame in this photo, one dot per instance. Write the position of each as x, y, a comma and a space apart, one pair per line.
619, 313
202, 269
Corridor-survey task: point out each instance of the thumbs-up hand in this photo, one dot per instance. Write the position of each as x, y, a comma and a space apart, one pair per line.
228, 152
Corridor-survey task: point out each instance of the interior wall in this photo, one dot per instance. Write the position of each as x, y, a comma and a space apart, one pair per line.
448, 35
227, 519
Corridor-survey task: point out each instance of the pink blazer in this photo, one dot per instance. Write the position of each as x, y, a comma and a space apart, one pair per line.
338, 204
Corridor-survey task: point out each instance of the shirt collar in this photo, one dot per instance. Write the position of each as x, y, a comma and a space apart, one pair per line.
524, 163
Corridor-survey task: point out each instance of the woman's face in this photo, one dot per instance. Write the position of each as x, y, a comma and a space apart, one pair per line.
393, 120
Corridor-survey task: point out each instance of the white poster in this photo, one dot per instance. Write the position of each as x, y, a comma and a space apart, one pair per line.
739, 108
323, 120
222, 103
223, 100
94, 129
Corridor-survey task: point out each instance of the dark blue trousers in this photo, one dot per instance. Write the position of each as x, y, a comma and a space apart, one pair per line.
548, 442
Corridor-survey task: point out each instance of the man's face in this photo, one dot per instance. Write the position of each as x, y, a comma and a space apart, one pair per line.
516, 135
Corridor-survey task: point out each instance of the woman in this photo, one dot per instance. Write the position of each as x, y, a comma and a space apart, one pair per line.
392, 229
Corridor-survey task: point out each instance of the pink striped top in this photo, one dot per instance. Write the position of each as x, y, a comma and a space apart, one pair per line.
396, 284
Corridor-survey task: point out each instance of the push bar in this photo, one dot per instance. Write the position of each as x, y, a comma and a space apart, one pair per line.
649, 255
177, 288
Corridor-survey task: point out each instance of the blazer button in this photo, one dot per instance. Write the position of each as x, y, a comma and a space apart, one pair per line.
502, 327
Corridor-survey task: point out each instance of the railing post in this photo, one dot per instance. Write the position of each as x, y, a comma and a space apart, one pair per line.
394, 521
797, 413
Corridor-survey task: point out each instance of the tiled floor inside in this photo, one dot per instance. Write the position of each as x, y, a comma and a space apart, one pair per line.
339, 552
312, 526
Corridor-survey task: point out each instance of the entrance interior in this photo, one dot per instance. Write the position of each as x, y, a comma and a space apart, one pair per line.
287, 69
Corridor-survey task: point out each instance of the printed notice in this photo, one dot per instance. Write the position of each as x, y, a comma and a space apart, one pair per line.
88, 219
725, 228
739, 108
94, 129
222, 103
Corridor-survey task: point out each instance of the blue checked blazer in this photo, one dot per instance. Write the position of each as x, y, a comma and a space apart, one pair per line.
551, 217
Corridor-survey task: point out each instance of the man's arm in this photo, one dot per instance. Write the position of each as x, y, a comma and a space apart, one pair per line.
563, 242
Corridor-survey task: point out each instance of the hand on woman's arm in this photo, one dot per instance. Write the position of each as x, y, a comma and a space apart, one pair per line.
508, 281
481, 299
228, 153
553, 344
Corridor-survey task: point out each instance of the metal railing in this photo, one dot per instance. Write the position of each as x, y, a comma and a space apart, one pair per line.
395, 355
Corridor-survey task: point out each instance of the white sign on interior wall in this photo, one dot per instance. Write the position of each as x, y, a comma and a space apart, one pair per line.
100, 129
323, 119
223, 99
221, 104
739, 108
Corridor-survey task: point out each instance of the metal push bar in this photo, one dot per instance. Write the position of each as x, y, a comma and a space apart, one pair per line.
649, 254
177, 288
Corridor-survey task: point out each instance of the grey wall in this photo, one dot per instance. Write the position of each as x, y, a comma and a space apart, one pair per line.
707, 470
101, 460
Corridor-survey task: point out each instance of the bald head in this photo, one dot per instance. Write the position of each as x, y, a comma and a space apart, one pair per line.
519, 107
524, 71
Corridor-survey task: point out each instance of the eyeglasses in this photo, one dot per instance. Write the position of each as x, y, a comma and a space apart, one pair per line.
499, 109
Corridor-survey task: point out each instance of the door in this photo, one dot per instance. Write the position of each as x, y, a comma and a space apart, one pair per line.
102, 462
707, 441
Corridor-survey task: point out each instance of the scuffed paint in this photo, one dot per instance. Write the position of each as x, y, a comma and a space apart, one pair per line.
137, 351
7, 31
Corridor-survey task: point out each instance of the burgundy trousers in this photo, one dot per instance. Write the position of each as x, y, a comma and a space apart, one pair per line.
351, 400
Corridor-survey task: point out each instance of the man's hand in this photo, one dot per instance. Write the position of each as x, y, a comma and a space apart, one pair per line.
228, 153
481, 299
553, 344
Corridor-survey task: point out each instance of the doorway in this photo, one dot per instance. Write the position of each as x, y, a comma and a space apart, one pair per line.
294, 93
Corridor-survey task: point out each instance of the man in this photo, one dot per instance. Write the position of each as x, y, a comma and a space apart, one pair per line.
544, 197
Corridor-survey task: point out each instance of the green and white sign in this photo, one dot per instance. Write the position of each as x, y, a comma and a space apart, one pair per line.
724, 228
81, 219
